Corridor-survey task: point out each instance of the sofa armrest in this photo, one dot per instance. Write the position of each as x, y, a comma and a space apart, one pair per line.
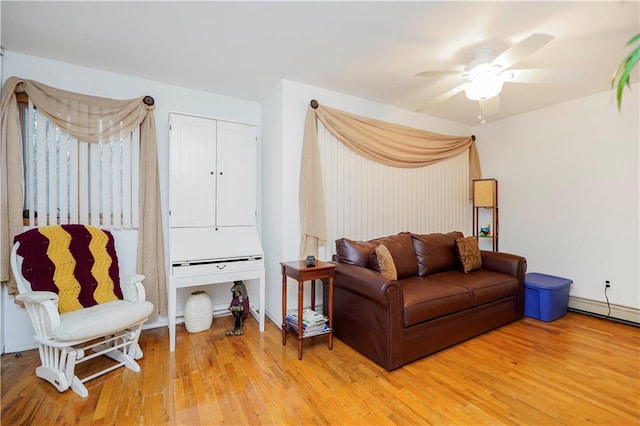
366, 283
509, 264
368, 313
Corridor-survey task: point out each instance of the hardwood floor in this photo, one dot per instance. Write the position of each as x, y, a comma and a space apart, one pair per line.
575, 370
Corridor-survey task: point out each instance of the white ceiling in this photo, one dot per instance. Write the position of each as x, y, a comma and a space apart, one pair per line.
367, 49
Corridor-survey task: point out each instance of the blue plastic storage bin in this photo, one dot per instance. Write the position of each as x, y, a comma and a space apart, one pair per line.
545, 297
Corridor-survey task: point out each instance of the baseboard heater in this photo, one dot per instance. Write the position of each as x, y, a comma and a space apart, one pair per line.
622, 314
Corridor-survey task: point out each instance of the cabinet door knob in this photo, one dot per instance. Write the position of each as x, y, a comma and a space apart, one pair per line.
220, 173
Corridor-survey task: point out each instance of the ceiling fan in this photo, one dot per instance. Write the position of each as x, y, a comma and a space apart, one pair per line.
487, 73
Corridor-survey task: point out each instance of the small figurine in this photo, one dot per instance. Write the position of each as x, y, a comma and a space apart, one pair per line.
485, 231
239, 307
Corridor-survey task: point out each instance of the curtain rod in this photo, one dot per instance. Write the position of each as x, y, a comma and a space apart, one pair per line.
148, 100
314, 104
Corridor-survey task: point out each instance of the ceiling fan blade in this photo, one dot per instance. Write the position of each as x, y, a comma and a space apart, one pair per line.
438, 74
521, 50
446, 95
492, 105
541, 76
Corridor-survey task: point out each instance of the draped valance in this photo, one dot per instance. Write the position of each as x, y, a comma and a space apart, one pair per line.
386, 143
86, 118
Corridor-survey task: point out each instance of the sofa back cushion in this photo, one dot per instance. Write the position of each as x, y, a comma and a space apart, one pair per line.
400, 246
404, 256
435, 252
354, 252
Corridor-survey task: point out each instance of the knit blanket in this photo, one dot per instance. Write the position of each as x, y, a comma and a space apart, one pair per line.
77, 262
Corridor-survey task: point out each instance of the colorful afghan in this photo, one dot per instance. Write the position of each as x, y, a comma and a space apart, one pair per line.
77, 262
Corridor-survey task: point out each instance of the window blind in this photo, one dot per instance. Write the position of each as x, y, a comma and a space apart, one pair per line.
71, 181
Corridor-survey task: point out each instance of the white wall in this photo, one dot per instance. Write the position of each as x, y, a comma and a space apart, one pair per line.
288, 103
273, 188
569, 192
168, 98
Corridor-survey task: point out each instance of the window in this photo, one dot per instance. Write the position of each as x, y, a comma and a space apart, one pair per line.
71, 181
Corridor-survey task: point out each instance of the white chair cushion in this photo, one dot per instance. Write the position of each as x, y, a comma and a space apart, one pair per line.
98, 320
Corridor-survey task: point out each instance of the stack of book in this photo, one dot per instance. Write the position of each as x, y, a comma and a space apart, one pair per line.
313, 323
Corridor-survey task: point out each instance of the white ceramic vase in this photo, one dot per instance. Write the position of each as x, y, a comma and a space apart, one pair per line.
198, 312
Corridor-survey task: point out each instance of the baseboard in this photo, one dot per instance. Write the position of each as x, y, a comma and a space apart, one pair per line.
276, 319
19, 348
601, 309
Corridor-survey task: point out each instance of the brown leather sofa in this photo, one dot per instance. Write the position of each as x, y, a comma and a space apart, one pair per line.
430, 306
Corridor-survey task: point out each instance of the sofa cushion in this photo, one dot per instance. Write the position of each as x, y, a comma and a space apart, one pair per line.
354, 252
468, 254
382, 261
435, 252
485, 286
425, 299
401, 249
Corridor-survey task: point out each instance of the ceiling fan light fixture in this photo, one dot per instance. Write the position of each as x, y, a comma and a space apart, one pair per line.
484, 87
485, 75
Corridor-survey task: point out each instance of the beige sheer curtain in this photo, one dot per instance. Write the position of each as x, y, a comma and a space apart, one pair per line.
90, 119
387, 143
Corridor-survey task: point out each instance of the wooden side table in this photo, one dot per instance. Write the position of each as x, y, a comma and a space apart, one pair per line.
299, 271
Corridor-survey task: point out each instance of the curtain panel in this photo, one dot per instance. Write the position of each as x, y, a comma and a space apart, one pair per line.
386, 143
90, 119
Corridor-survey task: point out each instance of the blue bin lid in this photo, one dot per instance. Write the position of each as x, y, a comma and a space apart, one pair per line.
534, 279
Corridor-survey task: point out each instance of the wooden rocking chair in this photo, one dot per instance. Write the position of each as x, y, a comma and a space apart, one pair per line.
69, 281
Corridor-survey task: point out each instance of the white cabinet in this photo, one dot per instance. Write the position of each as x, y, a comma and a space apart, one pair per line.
236, 175
212, 208
192, 183
213, 173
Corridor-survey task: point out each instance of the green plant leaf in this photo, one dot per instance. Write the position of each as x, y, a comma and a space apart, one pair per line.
629, 64
634, 39
623, 72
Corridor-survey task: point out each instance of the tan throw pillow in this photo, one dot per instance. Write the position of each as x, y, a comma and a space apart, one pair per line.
402, 252
385, 262
468, 253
